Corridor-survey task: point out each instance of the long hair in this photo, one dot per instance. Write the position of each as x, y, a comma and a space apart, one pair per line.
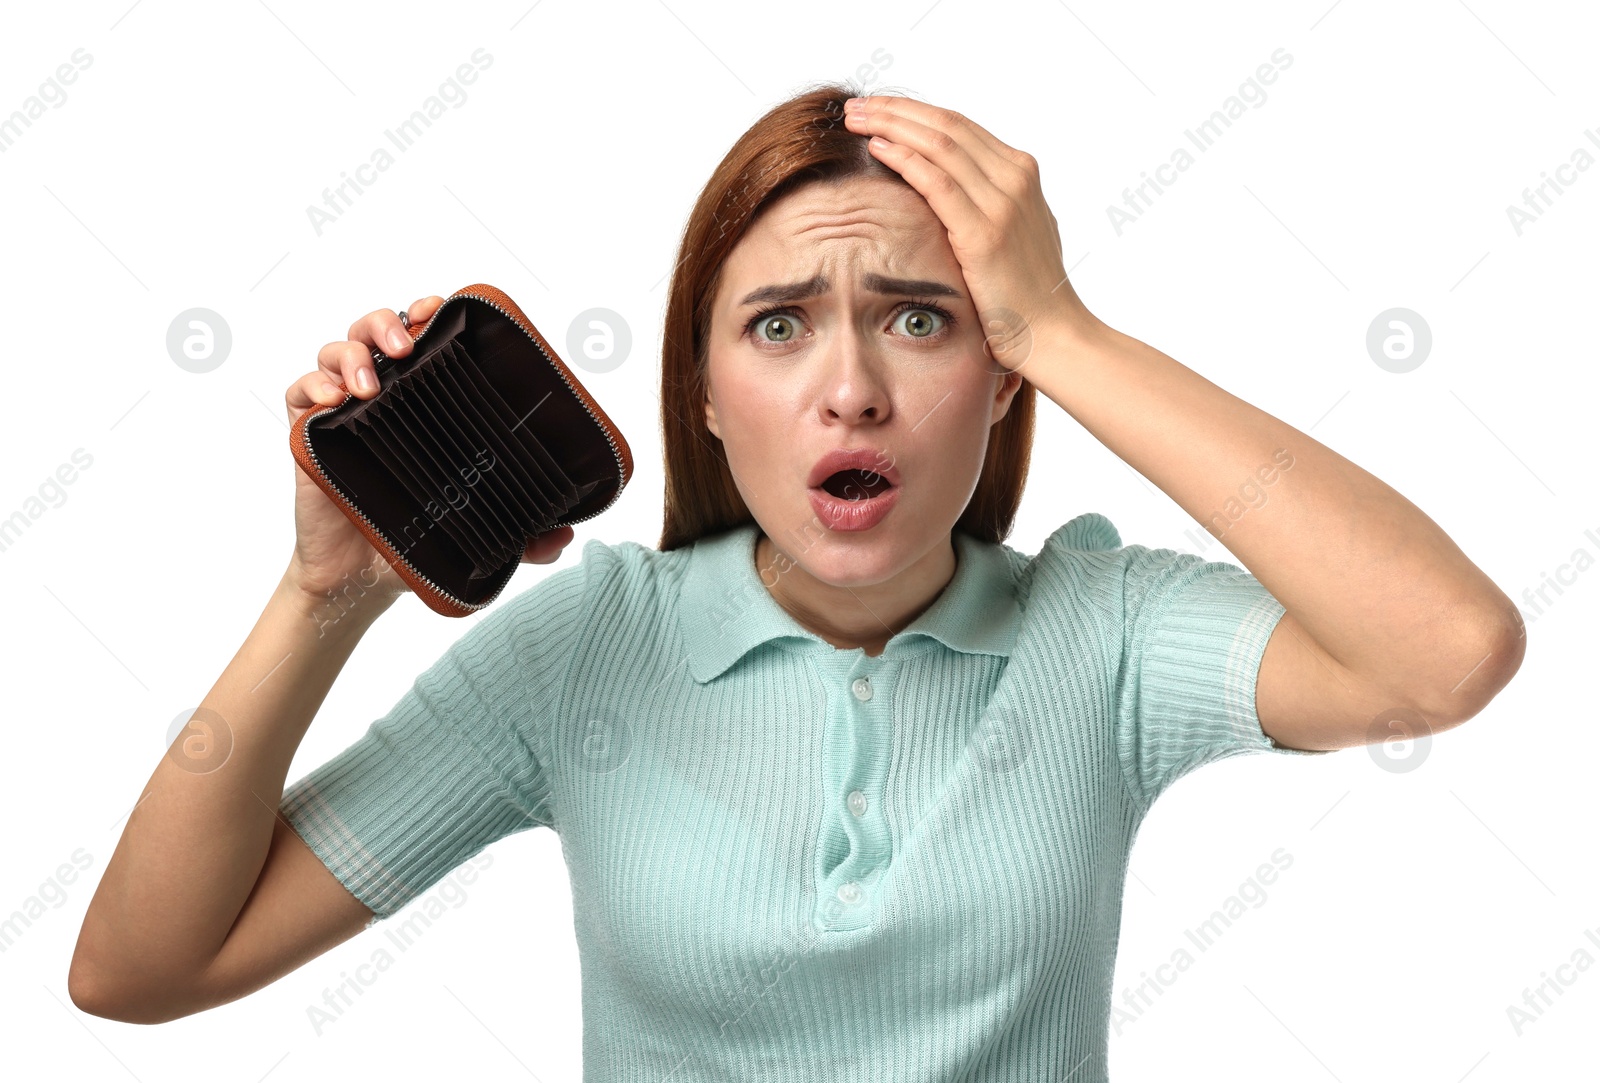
798, 141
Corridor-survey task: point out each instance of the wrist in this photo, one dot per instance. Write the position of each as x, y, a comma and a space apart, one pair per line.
349, 609
1076, 326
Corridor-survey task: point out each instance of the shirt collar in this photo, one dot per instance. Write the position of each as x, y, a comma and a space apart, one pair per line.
725, 611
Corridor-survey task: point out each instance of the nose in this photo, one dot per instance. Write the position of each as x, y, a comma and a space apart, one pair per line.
855, 388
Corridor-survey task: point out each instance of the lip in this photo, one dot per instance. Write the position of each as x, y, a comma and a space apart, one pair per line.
872, 459
845, 515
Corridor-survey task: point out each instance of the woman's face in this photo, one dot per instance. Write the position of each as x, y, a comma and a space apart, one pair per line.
860, 356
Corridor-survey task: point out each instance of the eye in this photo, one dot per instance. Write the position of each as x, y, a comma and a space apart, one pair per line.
919, 326
777, 320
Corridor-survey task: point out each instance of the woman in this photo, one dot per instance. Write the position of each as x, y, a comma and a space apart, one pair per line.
846, 786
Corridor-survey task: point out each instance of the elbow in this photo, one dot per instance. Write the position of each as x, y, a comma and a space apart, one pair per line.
112, 985
94, 994
1498, 642
89, 993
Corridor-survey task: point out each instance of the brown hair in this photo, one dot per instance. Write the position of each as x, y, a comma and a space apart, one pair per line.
798, 141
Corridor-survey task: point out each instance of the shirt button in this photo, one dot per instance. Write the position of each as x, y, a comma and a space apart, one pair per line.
862, 687
850, 893
857, 802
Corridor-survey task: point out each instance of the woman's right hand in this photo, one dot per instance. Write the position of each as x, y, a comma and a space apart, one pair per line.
330, 553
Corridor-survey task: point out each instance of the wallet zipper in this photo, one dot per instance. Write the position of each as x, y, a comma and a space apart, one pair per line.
378, 358
305, 441
612, 444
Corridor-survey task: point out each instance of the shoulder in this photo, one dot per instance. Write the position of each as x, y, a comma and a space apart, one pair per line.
1086, 534
611, 585
624, 582
1076, 555
628, 565
1084, 567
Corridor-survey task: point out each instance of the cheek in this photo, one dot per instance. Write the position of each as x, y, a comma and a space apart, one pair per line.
955, 436
957, 402
750, 409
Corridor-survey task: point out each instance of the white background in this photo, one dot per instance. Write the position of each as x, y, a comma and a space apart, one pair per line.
1420, 903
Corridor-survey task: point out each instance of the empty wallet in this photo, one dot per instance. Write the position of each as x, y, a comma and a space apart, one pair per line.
476, 441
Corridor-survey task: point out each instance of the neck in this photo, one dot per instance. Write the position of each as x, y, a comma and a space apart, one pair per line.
864, 616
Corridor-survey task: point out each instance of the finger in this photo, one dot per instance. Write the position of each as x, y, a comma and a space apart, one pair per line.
545, 548
947, 197
940, 129
421, 311
311, 390
350, 362
936, 117
382, 328
950, 150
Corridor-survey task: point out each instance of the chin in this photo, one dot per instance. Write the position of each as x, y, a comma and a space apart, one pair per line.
861, 558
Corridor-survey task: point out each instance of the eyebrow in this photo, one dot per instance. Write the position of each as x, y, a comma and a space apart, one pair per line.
799, 291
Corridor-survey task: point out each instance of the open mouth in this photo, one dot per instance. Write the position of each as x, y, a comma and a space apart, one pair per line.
855, 485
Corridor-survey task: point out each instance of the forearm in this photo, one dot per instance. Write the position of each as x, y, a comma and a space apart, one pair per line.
195, 843
1376, 582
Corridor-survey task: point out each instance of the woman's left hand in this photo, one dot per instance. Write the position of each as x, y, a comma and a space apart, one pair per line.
1002, 232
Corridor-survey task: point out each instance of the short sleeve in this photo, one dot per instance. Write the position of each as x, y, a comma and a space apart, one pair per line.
1194, 632
458, 763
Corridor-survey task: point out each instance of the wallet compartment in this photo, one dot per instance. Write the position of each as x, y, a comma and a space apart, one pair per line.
478, 440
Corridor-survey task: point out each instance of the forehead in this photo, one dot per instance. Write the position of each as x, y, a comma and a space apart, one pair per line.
861, 200
863, 223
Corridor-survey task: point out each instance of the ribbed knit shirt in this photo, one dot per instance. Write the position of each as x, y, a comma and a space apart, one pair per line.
791, 861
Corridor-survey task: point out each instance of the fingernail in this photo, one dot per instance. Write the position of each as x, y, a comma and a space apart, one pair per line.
330, 390
364, 379
397, 341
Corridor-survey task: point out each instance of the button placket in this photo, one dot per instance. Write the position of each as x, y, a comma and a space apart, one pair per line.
856, 765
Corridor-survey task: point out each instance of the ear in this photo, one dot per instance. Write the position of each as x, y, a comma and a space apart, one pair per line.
1010, 383
711, 415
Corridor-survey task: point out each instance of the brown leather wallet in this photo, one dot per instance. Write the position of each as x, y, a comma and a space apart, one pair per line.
476, 441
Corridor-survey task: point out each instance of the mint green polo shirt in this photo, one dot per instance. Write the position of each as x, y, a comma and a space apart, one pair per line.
790, 861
